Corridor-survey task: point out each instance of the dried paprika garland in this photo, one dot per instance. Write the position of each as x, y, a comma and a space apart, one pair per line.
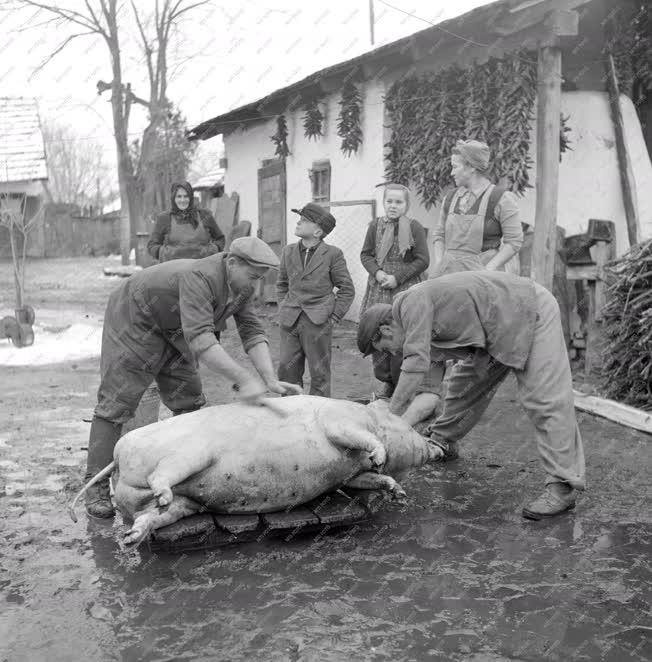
280, 137
313, 120
348, 122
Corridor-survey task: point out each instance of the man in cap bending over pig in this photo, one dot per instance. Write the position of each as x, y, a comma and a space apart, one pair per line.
158, 324
492, 323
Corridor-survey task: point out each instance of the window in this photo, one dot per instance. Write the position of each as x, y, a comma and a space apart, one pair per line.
320, 177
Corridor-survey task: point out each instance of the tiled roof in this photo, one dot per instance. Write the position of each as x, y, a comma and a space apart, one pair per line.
22, 152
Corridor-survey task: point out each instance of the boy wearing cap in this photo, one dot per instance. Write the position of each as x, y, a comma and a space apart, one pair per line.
493, 323
308, 307
158, 324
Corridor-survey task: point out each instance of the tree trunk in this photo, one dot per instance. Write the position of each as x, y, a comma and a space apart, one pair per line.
120, 127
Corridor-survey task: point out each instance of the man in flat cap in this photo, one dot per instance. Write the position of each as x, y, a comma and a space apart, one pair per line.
308, 307
158, 325
493, 323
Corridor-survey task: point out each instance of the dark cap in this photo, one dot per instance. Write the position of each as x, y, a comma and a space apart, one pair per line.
254, 251
370, 321
318, 215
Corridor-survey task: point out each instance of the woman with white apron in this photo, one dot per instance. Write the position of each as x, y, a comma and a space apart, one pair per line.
479, 226
184, 231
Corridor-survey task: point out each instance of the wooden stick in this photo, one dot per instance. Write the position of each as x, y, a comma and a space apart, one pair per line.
547, 181
614, 411
627, 182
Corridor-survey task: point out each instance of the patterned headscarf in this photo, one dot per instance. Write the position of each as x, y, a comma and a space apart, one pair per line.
188, 214
405, 238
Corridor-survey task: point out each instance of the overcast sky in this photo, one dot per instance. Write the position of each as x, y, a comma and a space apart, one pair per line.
225, 54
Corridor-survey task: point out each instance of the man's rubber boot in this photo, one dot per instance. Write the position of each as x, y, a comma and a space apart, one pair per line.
556, 498
103, 438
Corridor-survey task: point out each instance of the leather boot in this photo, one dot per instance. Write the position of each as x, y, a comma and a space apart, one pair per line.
556, 499
449, 448
103, 437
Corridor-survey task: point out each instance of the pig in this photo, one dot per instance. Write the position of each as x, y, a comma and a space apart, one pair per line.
242, 459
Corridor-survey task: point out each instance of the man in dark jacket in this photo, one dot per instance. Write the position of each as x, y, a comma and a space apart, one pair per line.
309, 272
492, 322
158, 324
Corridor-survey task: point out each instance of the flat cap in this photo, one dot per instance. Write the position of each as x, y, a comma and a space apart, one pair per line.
369, 325
254, 251
318, 215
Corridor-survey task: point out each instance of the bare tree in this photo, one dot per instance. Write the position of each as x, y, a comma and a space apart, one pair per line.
100, 18
18, 220
76, 167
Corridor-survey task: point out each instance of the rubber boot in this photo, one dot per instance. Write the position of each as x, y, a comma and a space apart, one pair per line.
103, 438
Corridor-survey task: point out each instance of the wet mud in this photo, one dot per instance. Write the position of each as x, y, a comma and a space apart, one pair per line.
454, 574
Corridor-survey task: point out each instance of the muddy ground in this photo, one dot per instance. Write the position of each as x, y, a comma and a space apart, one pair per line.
456, 574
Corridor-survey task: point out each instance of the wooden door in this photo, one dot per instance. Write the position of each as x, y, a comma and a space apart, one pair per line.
271, 217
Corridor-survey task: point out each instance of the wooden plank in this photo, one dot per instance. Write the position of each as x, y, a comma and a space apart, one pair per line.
534, 12
350, 203
284, 520
193, 526
547, 180
237, 524
614, 411
627, 182
337, 509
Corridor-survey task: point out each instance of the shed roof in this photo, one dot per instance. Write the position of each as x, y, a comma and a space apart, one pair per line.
22, 151
212, 178
488, 23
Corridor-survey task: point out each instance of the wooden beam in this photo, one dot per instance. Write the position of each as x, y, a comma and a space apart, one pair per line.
547, 181
614, 411
627, 182
530, 14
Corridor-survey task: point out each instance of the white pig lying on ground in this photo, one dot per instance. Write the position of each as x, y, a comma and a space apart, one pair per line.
239, 459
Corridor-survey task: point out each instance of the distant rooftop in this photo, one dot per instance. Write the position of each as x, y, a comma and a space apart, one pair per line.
212, 178
22, 151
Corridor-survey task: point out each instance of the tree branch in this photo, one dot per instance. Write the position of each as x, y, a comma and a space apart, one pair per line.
146, 46
58, 50
68, 15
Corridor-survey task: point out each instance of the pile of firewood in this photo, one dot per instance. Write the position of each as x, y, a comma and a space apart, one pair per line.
627, 366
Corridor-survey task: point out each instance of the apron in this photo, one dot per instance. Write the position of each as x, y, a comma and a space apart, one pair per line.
463, 236
184, 241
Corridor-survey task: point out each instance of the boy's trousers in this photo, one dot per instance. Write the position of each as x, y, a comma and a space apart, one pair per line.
306, 341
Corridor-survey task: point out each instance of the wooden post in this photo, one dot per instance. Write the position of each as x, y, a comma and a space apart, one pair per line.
547, 181
627, 182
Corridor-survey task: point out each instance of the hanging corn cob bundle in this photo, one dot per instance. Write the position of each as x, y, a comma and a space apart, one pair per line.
627, 368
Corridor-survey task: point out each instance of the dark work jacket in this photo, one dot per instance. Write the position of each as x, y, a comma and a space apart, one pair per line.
189, 300
487, 310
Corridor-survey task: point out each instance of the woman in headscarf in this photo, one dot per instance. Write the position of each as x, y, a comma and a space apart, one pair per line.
184, 231
479, 226
395, 250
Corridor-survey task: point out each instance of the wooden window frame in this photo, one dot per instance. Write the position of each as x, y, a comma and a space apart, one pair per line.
320, 170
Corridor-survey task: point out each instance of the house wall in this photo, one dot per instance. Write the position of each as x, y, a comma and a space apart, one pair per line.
352, 178
589, 185
589, 179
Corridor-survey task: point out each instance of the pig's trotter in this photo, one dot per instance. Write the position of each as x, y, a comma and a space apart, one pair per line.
378, 456
369, 480
151, 520
164, 497
357, 439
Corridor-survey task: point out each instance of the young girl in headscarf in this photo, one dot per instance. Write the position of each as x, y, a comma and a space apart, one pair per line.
184, 231
395, 250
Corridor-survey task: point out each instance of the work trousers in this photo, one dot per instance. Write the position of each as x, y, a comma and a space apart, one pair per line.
134, 354
306, 341
545, 390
